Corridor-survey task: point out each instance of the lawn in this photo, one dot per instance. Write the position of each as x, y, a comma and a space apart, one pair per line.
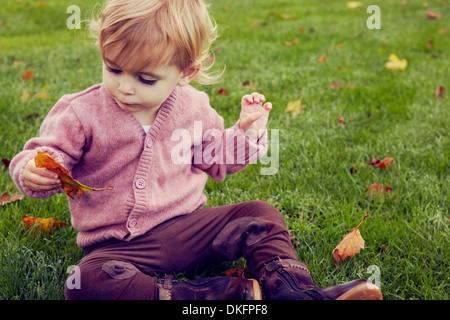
274, 47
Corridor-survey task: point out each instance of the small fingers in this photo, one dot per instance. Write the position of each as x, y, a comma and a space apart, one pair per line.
31, 168
258, 98
247, 98
38, 180
268, 106
46, 173
255, 97
40, 187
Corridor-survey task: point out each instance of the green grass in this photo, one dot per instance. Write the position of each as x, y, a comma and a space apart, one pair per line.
388, 114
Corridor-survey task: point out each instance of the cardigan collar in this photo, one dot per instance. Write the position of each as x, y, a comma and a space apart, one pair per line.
162, 114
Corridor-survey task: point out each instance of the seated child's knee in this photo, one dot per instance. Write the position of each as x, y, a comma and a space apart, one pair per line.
92, 281
265, 209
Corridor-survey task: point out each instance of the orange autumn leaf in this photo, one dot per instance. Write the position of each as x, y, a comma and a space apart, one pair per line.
47, 224
378, 188
5, 199
69, 185
236, 272
383, 164
322, 59
433, 15
439, 92
291, 43
28, 75
351, 244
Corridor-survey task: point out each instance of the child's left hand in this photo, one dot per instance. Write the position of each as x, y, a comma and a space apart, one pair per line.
254, 115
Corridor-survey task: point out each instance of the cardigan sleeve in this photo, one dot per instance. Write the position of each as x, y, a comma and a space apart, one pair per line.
61, 135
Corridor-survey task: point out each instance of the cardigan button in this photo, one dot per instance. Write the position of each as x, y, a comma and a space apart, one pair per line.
140, 183
132, 223
149, 143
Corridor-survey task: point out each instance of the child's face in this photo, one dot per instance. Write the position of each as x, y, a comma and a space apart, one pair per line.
141, 91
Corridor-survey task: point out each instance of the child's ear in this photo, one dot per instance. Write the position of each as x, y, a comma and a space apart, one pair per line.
189, 74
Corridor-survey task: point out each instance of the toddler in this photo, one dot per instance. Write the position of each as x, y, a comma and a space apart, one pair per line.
145, 131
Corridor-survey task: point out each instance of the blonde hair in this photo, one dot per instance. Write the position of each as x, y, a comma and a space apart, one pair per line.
136, 34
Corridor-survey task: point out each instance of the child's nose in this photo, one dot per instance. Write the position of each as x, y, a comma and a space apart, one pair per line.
126, 85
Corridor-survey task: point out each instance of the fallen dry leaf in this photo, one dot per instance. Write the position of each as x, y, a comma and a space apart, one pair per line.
291, 43
294, 241
335, 85
6, 162
295, 107
248, 85
322, 59
25, 95
350, 245
31, 116
439, 92
42, 95
69, 185
378, 188
222, 92
4, 199
395, 63
383, 164
236, 272
19, 63
433, 15
46, 225
28, 75
354, 4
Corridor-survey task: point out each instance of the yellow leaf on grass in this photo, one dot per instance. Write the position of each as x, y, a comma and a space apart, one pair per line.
354, 4
295, 107
395, 63
25, 95
350, 245
42, 95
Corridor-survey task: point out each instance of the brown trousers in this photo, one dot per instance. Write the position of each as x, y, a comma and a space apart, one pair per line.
186, 244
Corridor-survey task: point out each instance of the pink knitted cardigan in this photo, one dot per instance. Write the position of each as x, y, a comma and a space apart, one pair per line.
103, 145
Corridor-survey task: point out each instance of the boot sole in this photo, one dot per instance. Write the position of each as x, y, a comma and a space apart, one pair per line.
257, 295
364, 291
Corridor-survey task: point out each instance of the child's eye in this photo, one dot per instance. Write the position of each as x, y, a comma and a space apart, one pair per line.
115, 71
147, 82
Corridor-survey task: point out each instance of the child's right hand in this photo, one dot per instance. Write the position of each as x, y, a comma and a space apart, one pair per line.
40, 179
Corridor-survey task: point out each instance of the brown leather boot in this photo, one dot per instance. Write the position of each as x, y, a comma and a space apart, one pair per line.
215, 288
290, 280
